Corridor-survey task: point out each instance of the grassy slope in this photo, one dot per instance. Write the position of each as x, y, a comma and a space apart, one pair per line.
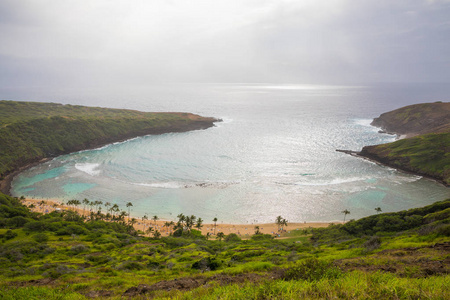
427, 155
401, 255
30, 131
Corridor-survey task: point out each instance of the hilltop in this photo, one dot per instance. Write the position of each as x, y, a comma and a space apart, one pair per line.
33, 131
416, 119
426, 151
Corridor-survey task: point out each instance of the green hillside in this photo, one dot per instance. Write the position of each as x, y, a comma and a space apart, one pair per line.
427, 155
426, 151
61, 255
31, 131
416, 119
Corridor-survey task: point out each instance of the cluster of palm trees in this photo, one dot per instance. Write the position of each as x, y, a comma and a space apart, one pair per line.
186, 223
281, 223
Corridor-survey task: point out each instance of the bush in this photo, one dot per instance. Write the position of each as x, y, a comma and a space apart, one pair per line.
17, 221
80, 248
9, 234
372, 244
312, 269
262, 237
130, 265
40, 238
207, 264
232, 237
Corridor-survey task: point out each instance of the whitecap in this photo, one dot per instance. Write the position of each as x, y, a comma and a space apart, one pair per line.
332, 182
88, 168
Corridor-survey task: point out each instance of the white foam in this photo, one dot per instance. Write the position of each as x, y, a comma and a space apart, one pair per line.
164, 185
332, 182
363, 122
88, 168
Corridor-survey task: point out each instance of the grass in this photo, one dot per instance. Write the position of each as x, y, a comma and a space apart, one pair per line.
395, 262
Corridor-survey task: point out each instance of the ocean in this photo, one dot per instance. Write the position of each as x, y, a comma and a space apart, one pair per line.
273, 154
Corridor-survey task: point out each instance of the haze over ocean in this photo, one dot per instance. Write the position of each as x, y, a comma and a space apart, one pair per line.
273, 154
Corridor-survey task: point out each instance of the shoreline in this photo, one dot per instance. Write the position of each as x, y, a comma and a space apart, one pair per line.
380, 162
5, 183
242, 230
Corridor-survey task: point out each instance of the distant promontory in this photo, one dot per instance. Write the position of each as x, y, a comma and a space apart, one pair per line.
425, 150
31, 132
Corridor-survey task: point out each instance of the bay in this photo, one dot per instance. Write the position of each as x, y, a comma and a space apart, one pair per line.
273, 154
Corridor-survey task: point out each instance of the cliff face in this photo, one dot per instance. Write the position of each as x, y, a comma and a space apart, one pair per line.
31, 132
426, 151
416, 119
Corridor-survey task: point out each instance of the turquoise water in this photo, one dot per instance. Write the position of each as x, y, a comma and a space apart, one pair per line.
274, 154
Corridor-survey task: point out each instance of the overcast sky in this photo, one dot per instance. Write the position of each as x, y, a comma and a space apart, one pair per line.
93, 42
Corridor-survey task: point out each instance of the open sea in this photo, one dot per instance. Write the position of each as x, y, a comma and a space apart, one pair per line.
273, 154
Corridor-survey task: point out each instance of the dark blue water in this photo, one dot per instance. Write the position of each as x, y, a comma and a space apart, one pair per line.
274, 154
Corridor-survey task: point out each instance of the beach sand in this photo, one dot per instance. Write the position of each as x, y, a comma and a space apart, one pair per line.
243, 230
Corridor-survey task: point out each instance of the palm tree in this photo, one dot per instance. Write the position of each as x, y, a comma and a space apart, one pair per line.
144, 217
345, 212
76, 202
155, 218
91, 204
220, 236
278, 221
149, 230
257, 230
85, 202
129, 205
190, 221
41, 203
114, 209
215, 225
156, 234
378, 210
283, 223
199, 224
167, 225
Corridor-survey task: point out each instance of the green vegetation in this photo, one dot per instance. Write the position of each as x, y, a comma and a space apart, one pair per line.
427, 155
62, 255
31, 131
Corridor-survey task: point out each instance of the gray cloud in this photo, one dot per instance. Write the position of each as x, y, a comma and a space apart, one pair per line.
140, 42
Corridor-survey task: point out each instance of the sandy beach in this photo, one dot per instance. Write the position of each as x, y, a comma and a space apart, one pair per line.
243, 230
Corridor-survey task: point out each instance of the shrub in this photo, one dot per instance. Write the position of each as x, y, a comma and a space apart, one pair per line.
130, 265
232, 237
9, 234
80, 248
40, 238
312, 269
372, 244
17, 221
262, 237
208, 263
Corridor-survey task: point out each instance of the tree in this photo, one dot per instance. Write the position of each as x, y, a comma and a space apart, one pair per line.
156, 234
215, 225
85, 202
278, 221
129, 205
220, 236
114, 209
257, 230
283, 223
199, 224
345, 212
378, 210
155, 218
149, 230
144, 217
